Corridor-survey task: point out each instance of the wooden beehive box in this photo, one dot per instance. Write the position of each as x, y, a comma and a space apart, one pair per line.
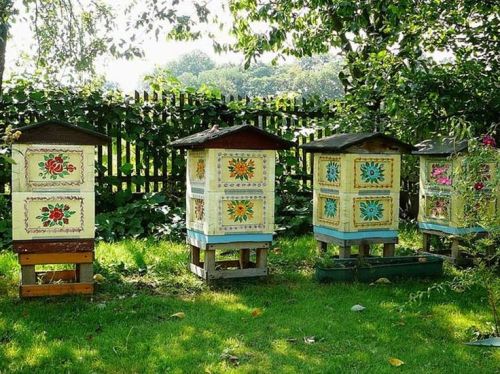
230, 198
53, 195
230, 184
356, 185
441, 208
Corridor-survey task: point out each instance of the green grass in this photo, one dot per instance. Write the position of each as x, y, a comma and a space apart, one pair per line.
126, 326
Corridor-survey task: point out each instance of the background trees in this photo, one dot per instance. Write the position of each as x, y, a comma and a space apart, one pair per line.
309, 76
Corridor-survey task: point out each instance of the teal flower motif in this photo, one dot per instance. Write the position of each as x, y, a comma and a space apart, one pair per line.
332, 171
372, 172
330, 207
371, 210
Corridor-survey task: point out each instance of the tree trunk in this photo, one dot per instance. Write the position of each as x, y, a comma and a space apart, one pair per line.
3, 45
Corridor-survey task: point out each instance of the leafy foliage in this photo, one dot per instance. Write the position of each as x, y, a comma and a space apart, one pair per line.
148, 217
5, 223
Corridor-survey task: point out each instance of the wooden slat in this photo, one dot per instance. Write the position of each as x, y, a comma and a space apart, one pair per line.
119, 153
146, 155
37, 290
56, 258
137, 99
57, 276
53, 245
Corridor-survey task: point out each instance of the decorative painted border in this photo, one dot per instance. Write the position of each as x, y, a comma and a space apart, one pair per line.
376, 159
372, 223
43, 230
427, 207
322, 182
198, 155
220, 183
427, 182
332, 221
53, 183
261, 226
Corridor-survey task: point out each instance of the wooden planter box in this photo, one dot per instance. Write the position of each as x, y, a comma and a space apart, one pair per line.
370, 269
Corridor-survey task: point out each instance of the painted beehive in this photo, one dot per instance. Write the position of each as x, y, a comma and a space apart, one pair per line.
441, 208
230, 184
53, 196
356, 187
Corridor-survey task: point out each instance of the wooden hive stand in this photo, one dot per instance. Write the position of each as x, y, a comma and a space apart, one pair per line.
79, 280
212, 269
322, 242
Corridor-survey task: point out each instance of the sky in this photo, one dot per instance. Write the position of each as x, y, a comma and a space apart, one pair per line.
128, 73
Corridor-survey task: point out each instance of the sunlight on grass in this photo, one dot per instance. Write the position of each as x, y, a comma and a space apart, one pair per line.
126, 326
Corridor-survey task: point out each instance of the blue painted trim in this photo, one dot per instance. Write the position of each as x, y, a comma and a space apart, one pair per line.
356, 235
450, 230
230, 238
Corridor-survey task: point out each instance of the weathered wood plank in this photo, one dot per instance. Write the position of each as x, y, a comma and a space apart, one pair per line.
56, 258
55, 289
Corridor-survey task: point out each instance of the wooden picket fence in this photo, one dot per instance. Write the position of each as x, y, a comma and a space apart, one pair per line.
147, 164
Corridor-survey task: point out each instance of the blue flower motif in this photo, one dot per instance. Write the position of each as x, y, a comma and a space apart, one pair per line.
372, 172
332, 171
371, 210
330, 207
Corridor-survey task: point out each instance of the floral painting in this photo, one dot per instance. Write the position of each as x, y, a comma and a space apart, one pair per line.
199, 209
440, 174
241, 168
371, 210
439, 208
55, 167
332, 171
372, 172
200, 169
330, 208
55, 215
240, 210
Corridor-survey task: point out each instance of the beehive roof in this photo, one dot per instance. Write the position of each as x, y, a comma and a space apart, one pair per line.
340, 142
236, 137
442, 147
60, 132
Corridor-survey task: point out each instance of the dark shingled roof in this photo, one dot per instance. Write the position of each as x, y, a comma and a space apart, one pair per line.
60, 132
200, 139
339, 142
442, 147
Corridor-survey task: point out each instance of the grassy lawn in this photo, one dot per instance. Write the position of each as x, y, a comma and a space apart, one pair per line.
126, 326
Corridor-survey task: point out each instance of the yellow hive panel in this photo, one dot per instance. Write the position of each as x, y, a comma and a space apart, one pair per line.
237, 169
375, 211
52, 168
329, 211
215, 213
352, 212
328, 170
197, 168
375, 172
52, 215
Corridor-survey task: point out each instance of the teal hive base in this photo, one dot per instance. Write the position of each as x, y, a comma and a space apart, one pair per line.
363, 239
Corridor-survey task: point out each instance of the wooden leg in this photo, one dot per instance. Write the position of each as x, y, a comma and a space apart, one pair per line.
28, 275
86, 273
195, 255
426, 242
261, 260
389, 249
209, 264
321, 246
454, 248
244, 258
345, 251
364, 249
